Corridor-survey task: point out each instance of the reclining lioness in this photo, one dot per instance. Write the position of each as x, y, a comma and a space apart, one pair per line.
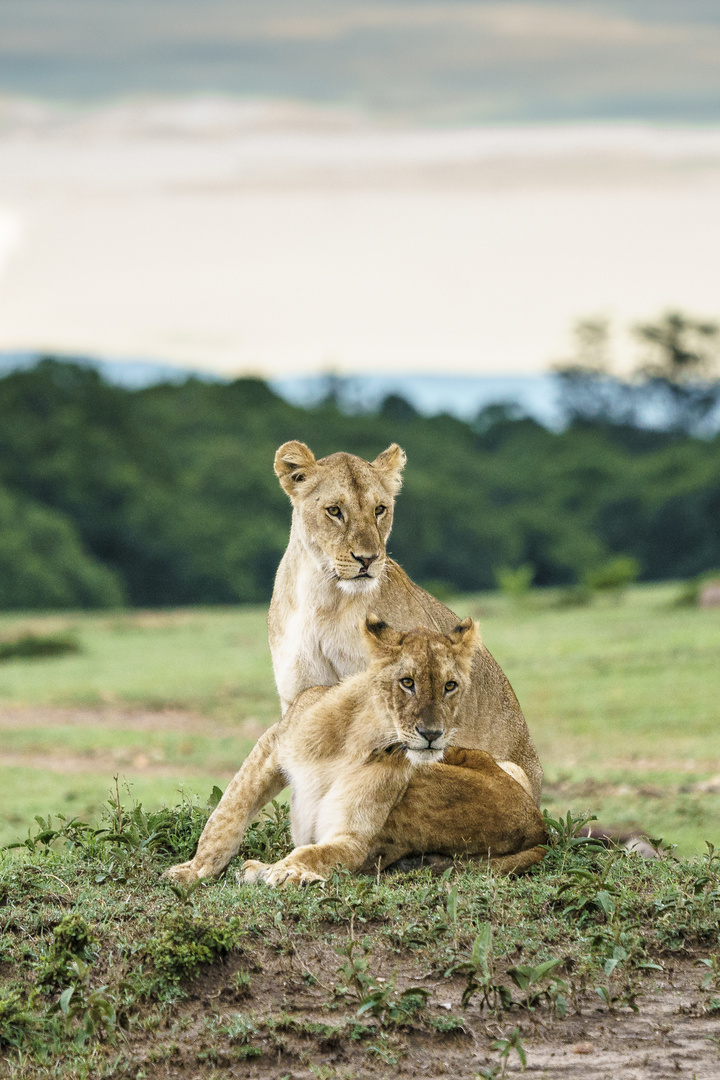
364, 761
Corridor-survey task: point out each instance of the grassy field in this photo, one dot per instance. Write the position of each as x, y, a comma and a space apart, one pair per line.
621, 699
598, 963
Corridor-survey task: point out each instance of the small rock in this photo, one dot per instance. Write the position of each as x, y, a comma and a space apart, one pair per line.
710, 594
709, 787
583, 1048
640, 846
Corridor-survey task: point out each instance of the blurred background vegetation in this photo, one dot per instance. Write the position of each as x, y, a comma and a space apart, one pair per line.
165, 495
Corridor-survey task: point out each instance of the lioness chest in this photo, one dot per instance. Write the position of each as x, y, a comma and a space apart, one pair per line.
316, 789
318, 642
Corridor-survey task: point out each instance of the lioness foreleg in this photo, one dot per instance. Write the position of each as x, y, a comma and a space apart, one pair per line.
350, 817
471, 808
257, 782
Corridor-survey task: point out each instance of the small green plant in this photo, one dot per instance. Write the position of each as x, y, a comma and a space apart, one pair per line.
481, 980
354, 970
268, 839
171, 831
448, 1025
377, 997
515, 582
529, 977
566, 832
711, 978
242, 983
70, 831
505, 1047
382, 1048
391, 1006
92, 1008
240, 1030
614, 576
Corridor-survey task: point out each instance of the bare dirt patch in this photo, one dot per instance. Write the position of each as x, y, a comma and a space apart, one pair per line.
126, 719
292, 1027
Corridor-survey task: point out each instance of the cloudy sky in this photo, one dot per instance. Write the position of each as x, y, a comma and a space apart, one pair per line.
286, 188
452, 61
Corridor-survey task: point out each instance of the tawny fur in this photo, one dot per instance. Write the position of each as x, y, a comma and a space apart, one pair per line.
334, 571
322, 594
363, 759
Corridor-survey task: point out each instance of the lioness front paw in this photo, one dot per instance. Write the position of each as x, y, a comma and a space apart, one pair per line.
278, 874
252, 870
184, 872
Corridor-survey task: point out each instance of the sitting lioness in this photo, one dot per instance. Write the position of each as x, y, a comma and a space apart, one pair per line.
335, 570
363, 761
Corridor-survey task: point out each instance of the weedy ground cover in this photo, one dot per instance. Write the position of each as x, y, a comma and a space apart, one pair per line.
597, 963
109, 970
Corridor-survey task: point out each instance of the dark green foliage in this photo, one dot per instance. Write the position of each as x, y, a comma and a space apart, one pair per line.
72, 940
171, 832
613, 576
167, 496
43, 562
269, 838
30, 646
17, 1022
183, 942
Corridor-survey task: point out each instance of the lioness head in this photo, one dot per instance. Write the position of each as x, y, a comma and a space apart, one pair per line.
342, 509
421, 675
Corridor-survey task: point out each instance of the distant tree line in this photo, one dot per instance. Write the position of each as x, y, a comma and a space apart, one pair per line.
166, 495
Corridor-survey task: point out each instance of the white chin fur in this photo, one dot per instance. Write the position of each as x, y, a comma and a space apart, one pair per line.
355, 586
424, 757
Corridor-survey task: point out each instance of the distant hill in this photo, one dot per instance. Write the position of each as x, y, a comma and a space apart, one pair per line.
458, 395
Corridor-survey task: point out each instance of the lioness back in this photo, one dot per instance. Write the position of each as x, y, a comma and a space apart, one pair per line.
336, 569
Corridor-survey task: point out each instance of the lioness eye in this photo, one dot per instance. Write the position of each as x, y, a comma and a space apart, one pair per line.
407, 683
450, 686
334, 511
380, 510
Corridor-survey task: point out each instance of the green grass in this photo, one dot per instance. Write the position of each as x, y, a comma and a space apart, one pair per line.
213, 661
621, 699
111, 971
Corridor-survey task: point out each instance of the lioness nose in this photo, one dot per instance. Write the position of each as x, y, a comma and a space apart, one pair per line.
431, 734
364, 560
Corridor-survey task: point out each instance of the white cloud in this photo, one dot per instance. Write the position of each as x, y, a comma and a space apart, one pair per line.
10, 235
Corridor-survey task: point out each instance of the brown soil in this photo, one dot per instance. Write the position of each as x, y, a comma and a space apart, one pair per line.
130, 718
672, 1035
130, 760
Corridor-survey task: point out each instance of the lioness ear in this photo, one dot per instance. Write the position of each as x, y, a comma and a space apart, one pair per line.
294, 462
379, 637
390, 465
465, 639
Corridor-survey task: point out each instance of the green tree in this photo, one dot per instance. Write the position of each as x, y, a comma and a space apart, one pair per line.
43, 564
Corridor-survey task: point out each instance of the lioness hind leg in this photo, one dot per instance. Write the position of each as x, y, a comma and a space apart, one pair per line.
477, 759
454, 810
519, 862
